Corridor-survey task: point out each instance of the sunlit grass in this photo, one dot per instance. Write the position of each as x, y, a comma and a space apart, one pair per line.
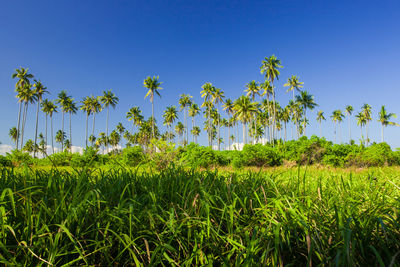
276, 216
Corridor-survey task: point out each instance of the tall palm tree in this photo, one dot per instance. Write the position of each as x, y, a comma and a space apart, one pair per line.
349, 111
40, 90
244, 110
71, 108
285, 117
135, 115
384, 119
337, 117
366, 109
294, 84
184, 102
28, 96
170, 115
218, 98
108, 99
23, 78
267, 91
361, 121
153, 85
228, 107
60, 136
179, 129
62, 101
269, 67
206, 93
252, 89
320, 118
195, 132
51, 109
86, 107
307, 102
194, 110
95, 108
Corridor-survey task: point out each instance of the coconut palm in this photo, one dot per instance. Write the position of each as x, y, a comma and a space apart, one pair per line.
95, 107
252, 89
267, 91
244, 110
62, 101
228, 107
60, 137
320, 118
153, 86
207, 93
349, 111
28, 96
294, 84
108, 99
194, 110
384, 119
70, 108
195, 132
185, 102
86, 107
307, 102
269, 67
13, 133
40, 90
23, 77
285, 117
29, 146
337, 117
218, 98
170, 115
367, 110
135, 115
50, 108
361, 121
179, 129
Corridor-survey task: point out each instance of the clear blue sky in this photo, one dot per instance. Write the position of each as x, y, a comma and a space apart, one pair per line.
345, 52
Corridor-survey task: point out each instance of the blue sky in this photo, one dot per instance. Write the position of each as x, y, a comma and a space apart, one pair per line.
345, 52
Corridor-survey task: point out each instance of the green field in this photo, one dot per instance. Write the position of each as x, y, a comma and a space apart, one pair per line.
277, 216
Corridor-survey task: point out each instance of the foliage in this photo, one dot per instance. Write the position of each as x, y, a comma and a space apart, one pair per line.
257, 155
133, 156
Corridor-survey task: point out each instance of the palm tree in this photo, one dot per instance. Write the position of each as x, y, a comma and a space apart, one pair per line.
195, 132
40, 90
62, 100
349, 111
135, 115
153, 85
71, 108
337, 117
361, 121
23, 78
269, 67
384, 118
207, 93
244, 110
108, 99
60, 136
366, 109
179, 129
170, 115
193, 112
184, 102
266, 86
86, 107
95, 108
320, 118
294, 84
252, 89
13, 133
218, 98
307, 102
28, 96
285, 117
228, 107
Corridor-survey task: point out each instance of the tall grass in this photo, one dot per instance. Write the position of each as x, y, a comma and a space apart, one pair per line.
180, 217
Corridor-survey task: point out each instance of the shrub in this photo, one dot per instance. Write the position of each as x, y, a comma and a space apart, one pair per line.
18, 157
198, 156
257, 155
5, 162
133, 156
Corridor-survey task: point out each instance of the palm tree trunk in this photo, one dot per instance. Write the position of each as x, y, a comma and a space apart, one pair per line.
19, 118
382, 134
86, 131
108, 111
335, 132
152, 122
23, 124
320, 130
70, 131
52, 143
37, 120
244, 133
229, 135
349, 130
94, 118
209, 128
285, 131
46, 134
366, 133
274, 122
192, 129
62, 137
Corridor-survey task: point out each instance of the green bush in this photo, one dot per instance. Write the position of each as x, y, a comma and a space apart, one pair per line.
132, 156
257, 155
18, 157
198, 156
5, 162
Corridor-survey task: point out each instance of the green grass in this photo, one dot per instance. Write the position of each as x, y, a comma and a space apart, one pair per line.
284, 216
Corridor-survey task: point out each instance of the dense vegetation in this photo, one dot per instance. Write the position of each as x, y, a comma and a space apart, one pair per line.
161, 154
179, 217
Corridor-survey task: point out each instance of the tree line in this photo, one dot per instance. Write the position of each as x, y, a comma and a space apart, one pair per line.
262, 117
